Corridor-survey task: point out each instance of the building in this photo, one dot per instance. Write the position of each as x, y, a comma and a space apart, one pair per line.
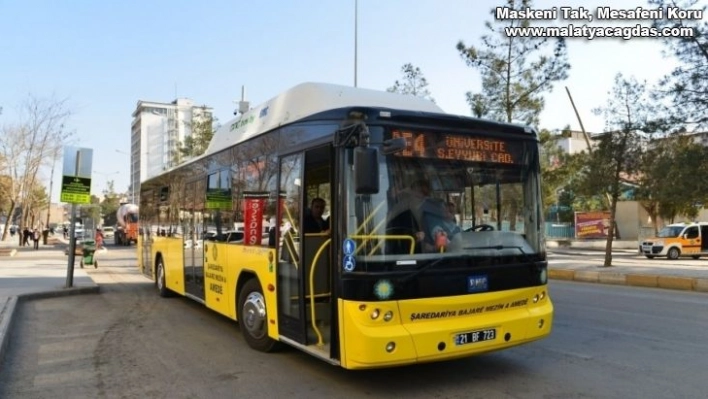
157, 131
57, 215
573, 142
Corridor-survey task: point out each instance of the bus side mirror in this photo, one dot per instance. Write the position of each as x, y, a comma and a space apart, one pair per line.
366, 170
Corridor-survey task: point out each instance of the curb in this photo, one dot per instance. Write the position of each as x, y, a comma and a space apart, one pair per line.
635, 280
7, 312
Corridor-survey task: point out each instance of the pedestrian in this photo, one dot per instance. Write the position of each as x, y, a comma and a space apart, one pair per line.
66, 231
99, 239
12, 231
35, 238
26, 233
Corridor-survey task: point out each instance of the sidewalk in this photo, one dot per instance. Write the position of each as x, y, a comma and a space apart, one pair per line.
26, 273
629, 268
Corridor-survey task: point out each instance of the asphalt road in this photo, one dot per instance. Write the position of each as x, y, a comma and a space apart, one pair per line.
607, 342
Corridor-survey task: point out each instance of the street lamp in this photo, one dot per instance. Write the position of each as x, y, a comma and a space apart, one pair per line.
356, 16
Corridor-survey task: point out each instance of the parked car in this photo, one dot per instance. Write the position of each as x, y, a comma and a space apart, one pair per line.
108, 232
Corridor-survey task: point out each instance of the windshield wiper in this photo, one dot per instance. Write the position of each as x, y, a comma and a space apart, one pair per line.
421, 270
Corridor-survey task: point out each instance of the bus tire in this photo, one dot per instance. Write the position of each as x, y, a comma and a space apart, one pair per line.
673, 253
252, 317
160, 279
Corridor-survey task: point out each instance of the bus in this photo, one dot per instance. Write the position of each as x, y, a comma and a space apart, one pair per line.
455, 269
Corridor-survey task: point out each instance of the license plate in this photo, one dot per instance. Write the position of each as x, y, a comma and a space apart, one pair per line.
646, 248
476, 336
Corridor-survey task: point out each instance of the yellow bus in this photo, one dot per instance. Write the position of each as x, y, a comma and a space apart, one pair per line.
434, 248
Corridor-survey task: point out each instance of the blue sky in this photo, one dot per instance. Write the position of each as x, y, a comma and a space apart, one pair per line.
104, 56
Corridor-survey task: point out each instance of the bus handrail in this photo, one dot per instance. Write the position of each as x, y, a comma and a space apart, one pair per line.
320, 342
291, 249
290, 218
364, 241
366, 220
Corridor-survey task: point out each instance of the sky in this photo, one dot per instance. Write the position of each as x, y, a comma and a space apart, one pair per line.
105, 56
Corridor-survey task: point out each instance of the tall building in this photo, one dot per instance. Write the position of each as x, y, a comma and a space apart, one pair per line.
157, 131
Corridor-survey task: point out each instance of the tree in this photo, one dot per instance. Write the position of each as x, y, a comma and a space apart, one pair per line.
516, 71
413, 83
674, 178
202, 128
628, 116
110, 204
686, 87
559, 170
35, 202
28, 145
5, 184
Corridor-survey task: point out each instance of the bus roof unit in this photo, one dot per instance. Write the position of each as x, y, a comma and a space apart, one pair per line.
305, 100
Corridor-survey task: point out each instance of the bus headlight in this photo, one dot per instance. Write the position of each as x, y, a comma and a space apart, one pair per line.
375, 314
390, 347
388, 316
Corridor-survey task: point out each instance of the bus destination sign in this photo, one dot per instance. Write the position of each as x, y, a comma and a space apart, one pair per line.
457, 147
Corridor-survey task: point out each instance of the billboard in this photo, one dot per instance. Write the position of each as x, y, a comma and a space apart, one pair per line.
592, 224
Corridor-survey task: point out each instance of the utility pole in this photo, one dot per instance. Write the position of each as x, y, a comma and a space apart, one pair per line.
356, 35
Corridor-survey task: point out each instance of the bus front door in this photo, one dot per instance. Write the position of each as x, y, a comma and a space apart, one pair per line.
304, 278
291, 311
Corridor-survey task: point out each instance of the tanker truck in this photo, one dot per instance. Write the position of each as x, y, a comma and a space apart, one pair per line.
127, 227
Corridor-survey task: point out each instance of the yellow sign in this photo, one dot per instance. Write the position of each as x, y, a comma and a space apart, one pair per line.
76, 190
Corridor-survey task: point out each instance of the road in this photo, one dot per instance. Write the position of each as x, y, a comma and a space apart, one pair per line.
607, 342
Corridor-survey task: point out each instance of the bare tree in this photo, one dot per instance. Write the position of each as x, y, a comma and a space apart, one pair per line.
628, 117
29, 145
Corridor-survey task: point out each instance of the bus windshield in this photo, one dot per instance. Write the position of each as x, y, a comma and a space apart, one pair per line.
450, 196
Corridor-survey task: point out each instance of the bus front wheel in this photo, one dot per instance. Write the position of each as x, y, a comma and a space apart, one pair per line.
252, 317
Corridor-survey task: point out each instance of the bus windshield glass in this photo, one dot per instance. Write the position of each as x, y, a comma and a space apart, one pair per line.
450, 195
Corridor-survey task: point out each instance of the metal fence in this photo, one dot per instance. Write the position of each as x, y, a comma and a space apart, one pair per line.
560, 231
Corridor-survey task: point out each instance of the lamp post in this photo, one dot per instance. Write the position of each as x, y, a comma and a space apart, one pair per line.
356, 35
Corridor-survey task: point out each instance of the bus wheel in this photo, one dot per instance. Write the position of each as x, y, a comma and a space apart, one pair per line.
673, 253
160, 280
252, 318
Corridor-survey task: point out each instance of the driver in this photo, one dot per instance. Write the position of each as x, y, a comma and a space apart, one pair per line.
440, 229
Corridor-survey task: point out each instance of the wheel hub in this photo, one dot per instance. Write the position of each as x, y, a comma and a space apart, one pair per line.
254, 315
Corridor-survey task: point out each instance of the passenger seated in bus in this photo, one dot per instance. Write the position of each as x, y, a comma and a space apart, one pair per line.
313, 221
